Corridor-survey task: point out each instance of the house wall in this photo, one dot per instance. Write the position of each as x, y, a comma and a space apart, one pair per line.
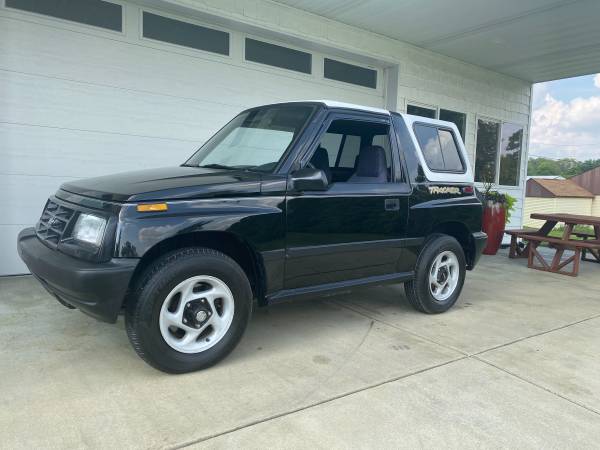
79, 101
554, 205
423, 77
596, 206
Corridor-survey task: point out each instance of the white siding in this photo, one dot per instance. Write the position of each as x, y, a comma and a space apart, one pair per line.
76, 101
596, 206
424, 77
562, 205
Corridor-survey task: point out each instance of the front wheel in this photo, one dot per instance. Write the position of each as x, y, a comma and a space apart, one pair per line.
189, 310
439, 275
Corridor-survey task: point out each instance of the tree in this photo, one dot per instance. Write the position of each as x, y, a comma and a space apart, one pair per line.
565, 167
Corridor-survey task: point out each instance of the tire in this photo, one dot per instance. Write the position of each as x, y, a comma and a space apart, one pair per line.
202, 287
426, 296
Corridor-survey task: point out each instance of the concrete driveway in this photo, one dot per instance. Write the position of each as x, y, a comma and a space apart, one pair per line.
514, 364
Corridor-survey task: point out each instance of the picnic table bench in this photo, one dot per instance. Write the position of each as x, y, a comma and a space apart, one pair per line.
589, 243
560, 245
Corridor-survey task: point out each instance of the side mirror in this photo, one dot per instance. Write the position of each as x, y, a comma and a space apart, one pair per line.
309, 179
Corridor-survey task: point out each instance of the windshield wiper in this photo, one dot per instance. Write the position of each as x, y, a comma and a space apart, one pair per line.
219, 166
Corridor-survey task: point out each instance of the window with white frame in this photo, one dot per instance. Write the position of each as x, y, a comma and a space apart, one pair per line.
176, 32
98, 13
511, 144
498, 152
349, 73
457, 118
422, 111
278, 56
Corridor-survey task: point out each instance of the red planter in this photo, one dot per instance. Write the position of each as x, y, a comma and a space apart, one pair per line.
494, 220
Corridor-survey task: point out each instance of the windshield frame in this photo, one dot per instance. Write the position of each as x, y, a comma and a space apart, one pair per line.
316, 107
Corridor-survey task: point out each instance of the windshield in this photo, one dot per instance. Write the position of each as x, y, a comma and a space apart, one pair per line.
255, 140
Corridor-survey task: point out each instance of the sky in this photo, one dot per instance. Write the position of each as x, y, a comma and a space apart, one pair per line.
566, 118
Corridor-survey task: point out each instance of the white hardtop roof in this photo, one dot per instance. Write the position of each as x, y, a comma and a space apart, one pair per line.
335, 104
411, 117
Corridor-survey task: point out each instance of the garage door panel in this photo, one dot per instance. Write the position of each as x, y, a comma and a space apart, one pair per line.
10, 263
96, 60
78, 104
220, 81
50, 102
40, 151
25, 197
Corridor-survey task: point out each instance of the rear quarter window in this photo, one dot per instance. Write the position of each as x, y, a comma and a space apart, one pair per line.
439, 148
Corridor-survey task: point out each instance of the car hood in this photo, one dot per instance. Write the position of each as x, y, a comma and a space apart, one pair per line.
169, 183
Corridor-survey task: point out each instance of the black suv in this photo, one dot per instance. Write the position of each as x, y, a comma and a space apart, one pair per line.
286, 201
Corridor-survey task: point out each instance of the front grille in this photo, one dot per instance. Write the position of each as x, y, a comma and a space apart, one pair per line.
53, 223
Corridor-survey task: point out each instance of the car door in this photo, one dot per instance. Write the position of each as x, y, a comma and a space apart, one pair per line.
355, 229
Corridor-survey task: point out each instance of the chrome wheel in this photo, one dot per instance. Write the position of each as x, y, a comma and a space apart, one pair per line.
196, 314
443, 276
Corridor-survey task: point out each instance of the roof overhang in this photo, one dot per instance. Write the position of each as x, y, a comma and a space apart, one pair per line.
534, 40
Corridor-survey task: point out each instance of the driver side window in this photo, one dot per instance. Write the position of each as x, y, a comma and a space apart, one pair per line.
355, 151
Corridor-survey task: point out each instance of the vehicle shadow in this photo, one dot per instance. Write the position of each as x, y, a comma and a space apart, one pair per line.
64, 336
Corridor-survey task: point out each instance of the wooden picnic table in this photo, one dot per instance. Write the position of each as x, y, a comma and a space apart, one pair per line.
589, 243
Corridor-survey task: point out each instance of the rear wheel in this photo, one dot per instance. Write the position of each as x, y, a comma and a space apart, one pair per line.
189, 310
439, 275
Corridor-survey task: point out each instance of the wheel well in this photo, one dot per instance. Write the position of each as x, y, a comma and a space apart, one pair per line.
224, 242
460, 232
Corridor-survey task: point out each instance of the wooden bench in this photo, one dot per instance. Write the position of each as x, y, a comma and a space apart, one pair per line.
517, 251
584, 252
560, 245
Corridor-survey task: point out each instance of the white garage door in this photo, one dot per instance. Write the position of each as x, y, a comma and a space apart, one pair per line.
81, 100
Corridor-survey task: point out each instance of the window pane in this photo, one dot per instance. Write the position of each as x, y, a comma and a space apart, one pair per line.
350, 151
420, 111
349, 73
278, 56
186, 34
255, 139
331, 142
510, 154
90, 12
450, 153
457, 118
430, 145
486, 151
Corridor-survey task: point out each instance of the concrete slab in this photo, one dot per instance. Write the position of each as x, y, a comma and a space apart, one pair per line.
502, 301
566, 362
463, 405
360, 369
70, 381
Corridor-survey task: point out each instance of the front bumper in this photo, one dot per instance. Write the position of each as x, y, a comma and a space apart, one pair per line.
477, 242
97, 289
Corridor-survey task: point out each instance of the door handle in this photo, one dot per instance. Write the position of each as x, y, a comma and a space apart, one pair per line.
392, 204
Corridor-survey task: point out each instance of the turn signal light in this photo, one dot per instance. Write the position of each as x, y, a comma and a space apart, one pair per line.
152, 207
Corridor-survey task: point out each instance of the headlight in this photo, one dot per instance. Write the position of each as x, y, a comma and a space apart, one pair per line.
90, 229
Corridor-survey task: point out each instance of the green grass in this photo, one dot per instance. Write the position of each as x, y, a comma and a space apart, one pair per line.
558, 231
